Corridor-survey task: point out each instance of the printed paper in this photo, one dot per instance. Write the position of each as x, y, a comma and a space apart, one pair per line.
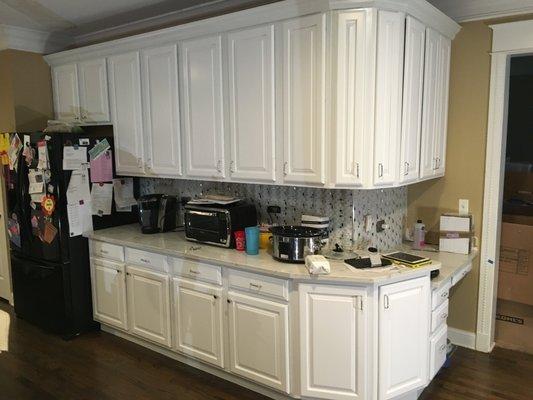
102, 199
99, 149
102, 168
123, 189
78, 187
42, 151
79, 218
74, 157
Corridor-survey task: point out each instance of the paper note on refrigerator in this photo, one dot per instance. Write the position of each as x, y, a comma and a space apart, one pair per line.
79, 218
99, 149
74, 157
102, 198
102, 168
42, 151
123, 189
78, 187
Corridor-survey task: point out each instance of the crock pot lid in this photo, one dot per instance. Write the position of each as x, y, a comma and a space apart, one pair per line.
295, 231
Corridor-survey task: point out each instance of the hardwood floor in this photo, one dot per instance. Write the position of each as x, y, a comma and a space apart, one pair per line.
100, 366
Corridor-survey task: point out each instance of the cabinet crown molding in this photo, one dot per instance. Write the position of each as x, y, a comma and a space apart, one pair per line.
35, 41
269, 13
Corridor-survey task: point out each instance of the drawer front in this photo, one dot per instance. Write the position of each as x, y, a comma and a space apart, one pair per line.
439, 296
439, 316
438, 348
461, 273
153, 261
107, 251
196, 270
259, 284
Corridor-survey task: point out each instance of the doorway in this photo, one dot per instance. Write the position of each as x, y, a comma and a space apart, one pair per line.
514, 308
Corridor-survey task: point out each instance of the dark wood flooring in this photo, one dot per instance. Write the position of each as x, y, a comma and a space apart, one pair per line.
100, 366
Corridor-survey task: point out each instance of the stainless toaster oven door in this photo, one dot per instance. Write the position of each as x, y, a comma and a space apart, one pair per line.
208, 226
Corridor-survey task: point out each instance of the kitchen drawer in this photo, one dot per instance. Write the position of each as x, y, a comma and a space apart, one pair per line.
439, 316
439, 296
154, 261
437, 347
107, 251
461, 273
196, 270
259, 284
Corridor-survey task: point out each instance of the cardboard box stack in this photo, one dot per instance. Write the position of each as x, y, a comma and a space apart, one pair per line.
456, 233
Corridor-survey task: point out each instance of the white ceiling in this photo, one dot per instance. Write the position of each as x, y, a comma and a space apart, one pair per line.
84, 21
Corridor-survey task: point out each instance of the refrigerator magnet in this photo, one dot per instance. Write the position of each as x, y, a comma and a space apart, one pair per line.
48, 205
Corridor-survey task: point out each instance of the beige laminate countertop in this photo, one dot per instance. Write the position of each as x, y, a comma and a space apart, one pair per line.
175, 244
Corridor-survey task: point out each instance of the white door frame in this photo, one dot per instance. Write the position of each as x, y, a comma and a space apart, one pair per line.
510, 39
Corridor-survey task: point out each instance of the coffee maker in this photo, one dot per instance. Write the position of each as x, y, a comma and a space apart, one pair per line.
158, 213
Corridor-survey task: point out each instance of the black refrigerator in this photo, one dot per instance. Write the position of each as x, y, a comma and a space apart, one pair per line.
51, 278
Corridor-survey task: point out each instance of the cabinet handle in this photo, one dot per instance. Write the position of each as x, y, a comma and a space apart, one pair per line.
144, 260
380, 170
139, 162
256, 286
355, 169
444, 295
119, 271
229, 301
386, 302
232, 166
444, 316
442, 348
104, 252
285, 168
406, 169
215, 296
127, 273
219, 166
192, 271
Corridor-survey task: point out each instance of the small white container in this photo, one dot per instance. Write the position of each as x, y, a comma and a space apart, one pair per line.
419, 235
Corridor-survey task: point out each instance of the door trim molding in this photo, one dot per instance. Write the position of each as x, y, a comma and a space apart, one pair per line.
509, 40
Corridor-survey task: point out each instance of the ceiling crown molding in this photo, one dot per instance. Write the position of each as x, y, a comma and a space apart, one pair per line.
476, 10
35, 41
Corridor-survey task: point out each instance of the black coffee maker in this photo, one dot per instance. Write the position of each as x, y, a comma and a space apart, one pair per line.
158, 213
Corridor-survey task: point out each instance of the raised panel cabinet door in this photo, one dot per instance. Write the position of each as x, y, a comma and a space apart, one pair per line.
109, 293
126, 112
403, 337
66, 92
203, 112
443, 80
413, 84
304, 61
252, 110
259, 339
350, 81
430, 105
159, 70
333, 342
149, 305
198, 321
94, 95
389, 75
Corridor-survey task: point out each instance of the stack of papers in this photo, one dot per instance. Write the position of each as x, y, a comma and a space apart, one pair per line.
215, 199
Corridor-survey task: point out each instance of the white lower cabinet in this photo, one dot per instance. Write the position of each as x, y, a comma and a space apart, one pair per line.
333, 347
149, 305
198, 320
404, 313
438, 349
259, 340
109, 293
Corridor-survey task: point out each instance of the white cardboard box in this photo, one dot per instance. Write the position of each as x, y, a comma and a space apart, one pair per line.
456, 223
460, 245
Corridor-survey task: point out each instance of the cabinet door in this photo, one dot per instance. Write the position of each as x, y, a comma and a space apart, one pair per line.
94, 99
149, 305
389, 75
430, 105
332, 342
66, 94
126, 109
109, 293
404, 313
198, 321
304, 99
259, 337
350, 122
203, 112
252, 112
161, 116
415, 34
443, 80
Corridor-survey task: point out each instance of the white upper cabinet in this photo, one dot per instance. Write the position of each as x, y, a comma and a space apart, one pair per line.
203, 110
404, 314
304, 62
333, 342
66, 93
413, 83
348, 152
389, 74
252, 122
435, 102
159, 70
94, 97
126, 111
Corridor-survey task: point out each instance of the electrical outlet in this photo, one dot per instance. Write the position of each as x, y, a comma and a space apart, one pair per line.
463, 206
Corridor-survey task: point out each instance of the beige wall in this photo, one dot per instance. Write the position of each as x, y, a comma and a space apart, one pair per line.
465, 163
26, 104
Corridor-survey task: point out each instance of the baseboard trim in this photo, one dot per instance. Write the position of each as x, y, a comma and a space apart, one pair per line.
462, 338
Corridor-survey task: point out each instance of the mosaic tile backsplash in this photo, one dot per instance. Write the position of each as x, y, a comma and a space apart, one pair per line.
346, 208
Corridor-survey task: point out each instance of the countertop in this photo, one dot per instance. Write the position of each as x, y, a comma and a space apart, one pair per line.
175, 244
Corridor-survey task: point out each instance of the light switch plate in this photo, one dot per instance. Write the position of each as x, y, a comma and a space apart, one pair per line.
463, 206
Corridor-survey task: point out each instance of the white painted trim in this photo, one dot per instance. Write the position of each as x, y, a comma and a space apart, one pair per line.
35, 41
462, 338
476, 10
512, 36
270, 13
